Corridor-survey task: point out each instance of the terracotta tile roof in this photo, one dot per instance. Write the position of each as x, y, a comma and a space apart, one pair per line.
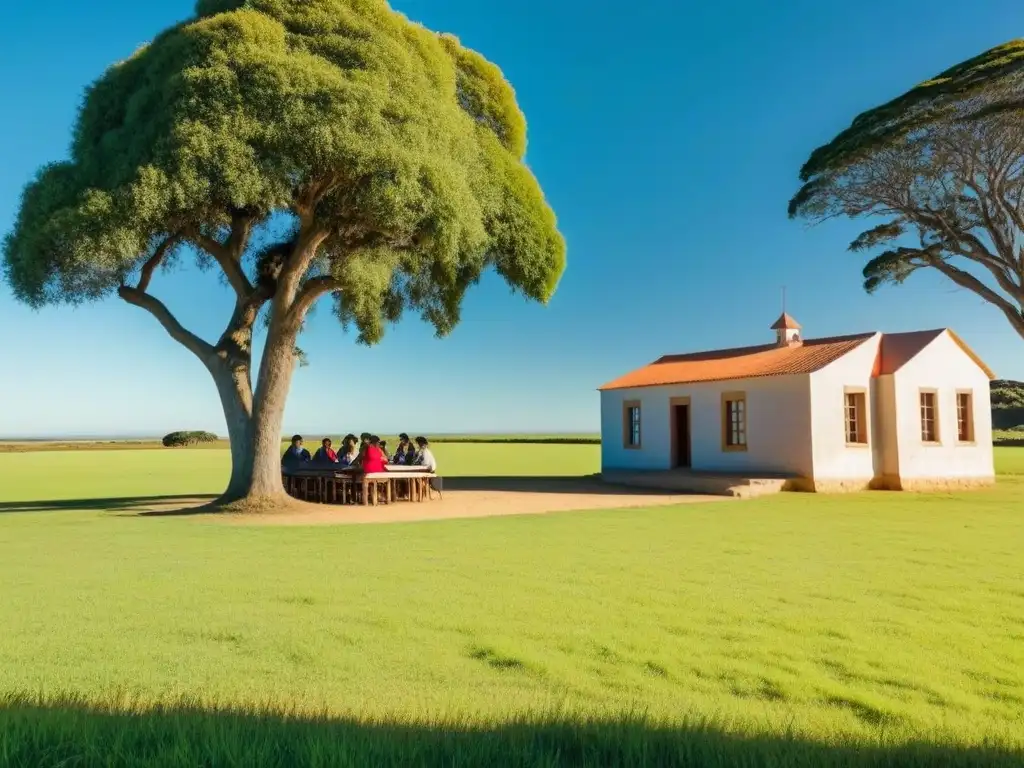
740, 363
897, 349
786, 322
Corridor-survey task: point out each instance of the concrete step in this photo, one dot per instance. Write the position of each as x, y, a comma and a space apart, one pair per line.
711, 483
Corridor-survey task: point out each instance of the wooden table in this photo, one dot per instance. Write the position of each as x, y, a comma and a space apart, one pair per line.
417, 478
325, 479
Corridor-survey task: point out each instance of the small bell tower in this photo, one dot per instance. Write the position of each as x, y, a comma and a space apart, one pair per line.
787, 331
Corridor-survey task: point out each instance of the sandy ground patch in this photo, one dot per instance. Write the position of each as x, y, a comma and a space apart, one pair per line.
483, 497
464, 497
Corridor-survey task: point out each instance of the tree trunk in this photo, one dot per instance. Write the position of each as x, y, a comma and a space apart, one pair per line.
235, 391
254, 433
261, 478
254, 428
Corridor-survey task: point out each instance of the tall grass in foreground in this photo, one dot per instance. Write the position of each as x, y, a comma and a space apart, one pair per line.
851, 630
75, 732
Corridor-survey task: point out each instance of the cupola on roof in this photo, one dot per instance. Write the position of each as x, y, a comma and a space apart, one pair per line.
786, 322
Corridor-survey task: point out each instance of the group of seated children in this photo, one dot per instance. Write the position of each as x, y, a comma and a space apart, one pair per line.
367, 453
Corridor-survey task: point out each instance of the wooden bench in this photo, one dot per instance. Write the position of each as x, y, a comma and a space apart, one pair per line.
319, 484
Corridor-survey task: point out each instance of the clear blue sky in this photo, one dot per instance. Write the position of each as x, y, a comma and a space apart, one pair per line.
667, 136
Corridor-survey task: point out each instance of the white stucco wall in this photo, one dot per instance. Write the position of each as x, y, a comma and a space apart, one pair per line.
833, 458
778, 426
944, 366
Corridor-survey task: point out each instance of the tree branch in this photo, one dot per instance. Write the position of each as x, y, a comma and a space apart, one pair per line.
968, 245
155, 260
238, 334
973, 284
311, 292
298, 262
225, 256
176, 330
241, 229
309, 196
999, 238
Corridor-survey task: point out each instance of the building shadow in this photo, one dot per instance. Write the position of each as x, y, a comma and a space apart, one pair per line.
585, 484
65, 733
124, 504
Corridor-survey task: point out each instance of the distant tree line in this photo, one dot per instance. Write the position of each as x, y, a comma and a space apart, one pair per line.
1008, 404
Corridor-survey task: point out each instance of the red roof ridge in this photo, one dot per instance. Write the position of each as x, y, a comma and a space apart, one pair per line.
741, 362
711, 354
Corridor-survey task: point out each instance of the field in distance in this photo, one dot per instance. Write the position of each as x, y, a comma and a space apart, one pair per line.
312, 441
1000, 438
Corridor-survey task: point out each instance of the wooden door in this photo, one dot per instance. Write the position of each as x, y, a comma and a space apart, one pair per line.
681, 434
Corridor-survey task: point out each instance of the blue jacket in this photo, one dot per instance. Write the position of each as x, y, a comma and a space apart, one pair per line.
294, 456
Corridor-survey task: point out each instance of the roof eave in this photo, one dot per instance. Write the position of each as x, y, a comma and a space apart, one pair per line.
607, 388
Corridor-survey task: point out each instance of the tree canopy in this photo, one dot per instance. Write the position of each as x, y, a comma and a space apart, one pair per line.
404, 145
302, 148
943, 165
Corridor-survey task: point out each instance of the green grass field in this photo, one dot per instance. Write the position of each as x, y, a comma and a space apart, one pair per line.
875, 629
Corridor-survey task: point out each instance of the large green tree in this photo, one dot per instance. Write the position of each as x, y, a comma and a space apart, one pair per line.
941, 169
302, 148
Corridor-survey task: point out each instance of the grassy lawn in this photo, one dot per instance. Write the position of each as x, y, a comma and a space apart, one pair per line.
91, 475
876, 629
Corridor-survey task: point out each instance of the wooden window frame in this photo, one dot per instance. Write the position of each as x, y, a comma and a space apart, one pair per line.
970, 417
627, 425
862, 424
937, 426
733, 397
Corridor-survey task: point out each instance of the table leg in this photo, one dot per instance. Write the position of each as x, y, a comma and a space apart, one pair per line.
366, 491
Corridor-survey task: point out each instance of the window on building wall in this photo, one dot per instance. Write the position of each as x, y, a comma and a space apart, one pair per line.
856, 417
929, 417
965, 416
631, 424
734, 421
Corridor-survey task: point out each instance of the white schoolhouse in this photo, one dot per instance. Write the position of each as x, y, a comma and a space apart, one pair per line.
892, 411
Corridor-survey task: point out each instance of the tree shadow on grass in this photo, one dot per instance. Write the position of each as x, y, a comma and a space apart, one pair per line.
73, 732
184, 503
